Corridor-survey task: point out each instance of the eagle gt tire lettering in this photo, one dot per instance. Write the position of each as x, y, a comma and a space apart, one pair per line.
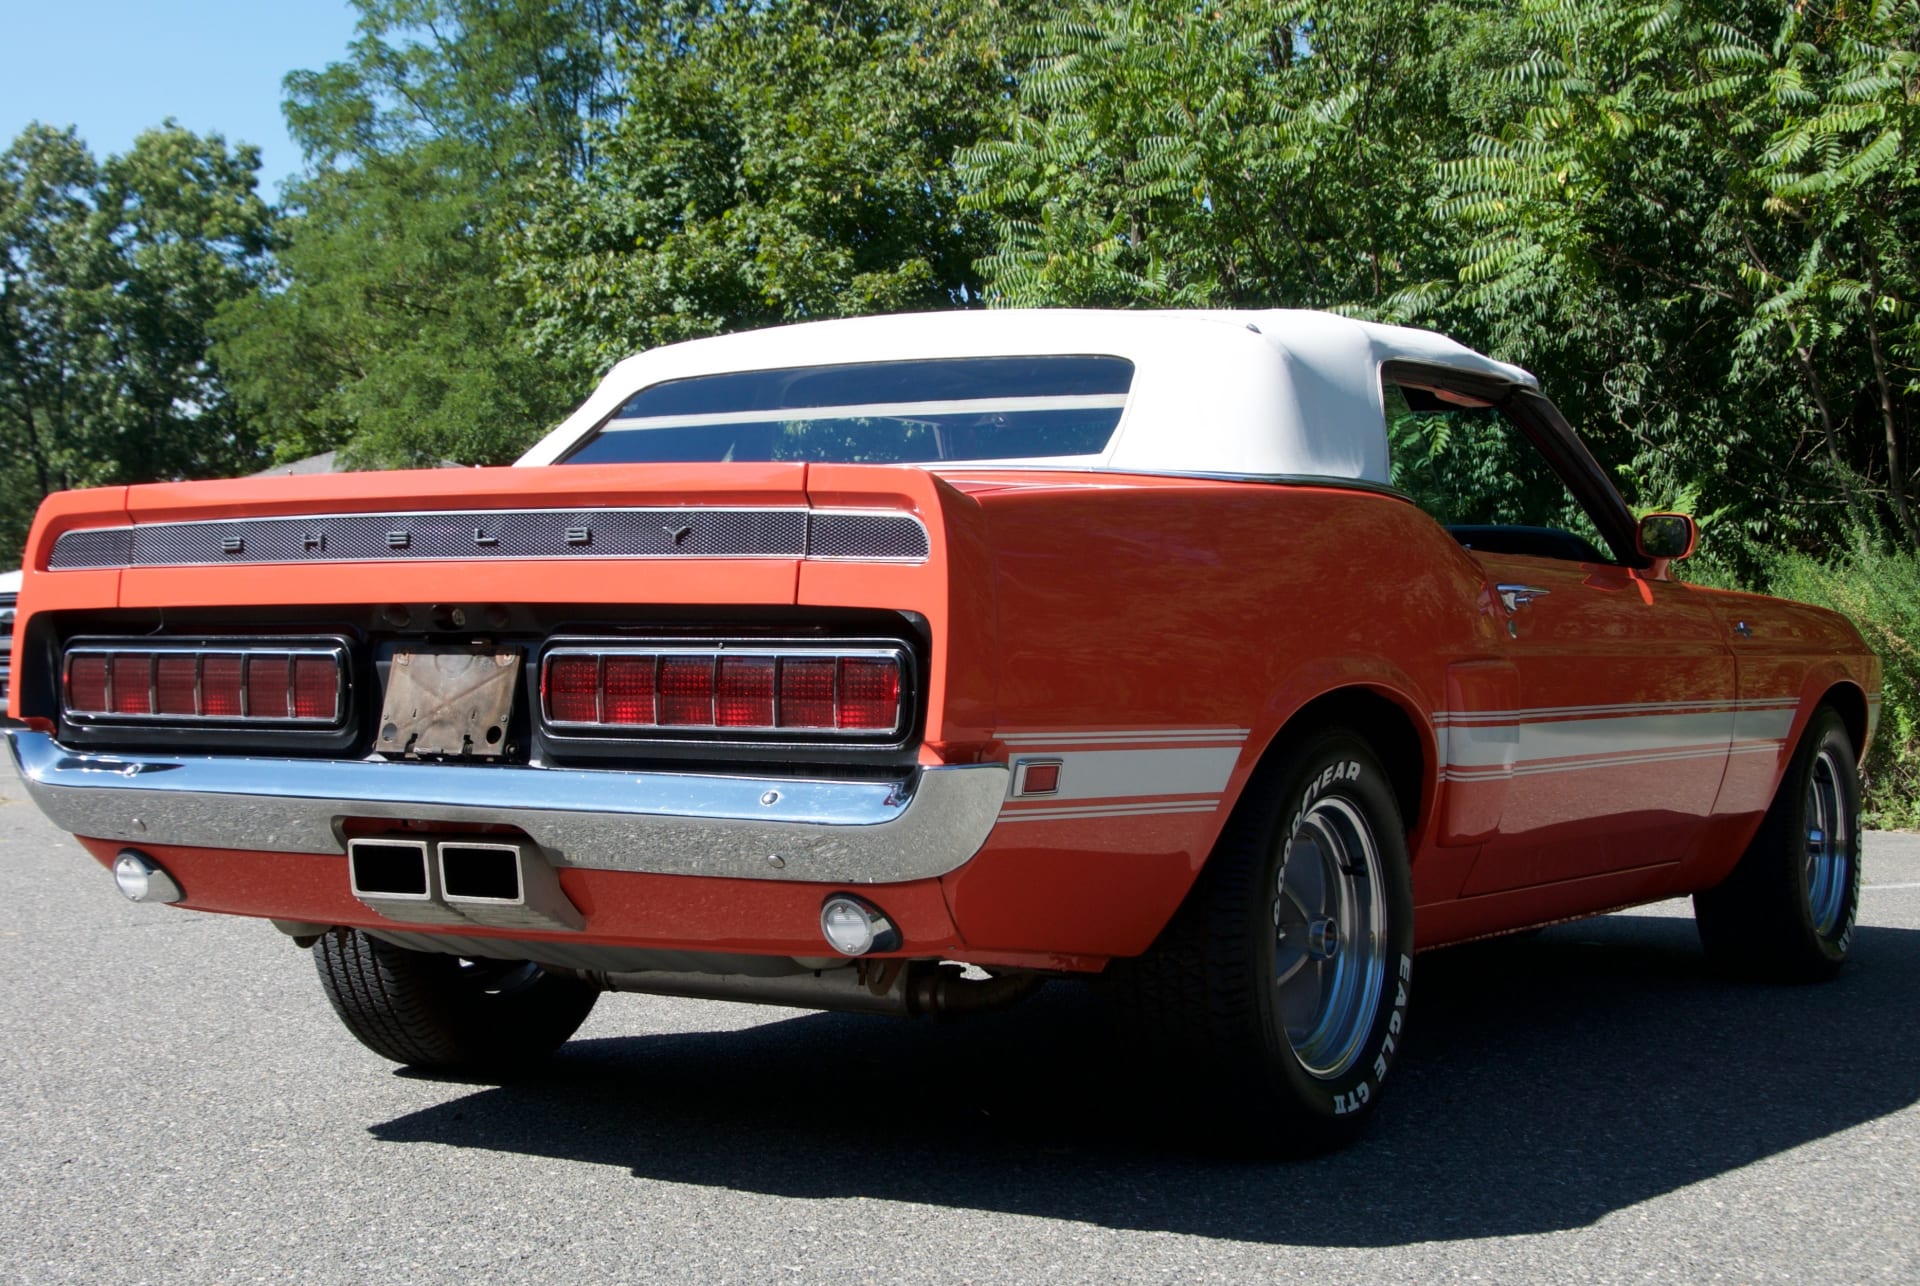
1336, 956
1279, 991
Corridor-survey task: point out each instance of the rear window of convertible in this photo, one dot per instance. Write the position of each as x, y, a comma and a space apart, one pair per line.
918, 412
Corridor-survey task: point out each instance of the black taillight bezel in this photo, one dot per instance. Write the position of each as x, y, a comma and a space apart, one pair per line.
569, 740
338, 733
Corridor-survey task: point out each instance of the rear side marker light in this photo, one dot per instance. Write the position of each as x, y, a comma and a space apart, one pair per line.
760, 689
184, 684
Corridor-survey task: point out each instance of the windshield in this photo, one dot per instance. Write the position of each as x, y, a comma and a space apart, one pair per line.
917, 412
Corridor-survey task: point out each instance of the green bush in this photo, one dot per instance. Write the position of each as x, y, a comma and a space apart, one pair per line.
1879, 591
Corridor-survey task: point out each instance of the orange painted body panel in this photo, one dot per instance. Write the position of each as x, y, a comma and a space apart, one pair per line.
1150, 638
625, 908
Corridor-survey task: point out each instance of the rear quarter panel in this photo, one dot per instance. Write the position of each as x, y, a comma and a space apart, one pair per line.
1151, 630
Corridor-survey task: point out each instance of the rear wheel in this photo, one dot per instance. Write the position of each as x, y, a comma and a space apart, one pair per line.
1787, 911
1281, 987
446, 1013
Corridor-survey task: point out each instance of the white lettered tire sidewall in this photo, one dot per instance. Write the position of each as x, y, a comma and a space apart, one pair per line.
1340, 765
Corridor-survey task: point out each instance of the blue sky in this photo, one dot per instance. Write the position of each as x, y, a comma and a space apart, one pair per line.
116, 67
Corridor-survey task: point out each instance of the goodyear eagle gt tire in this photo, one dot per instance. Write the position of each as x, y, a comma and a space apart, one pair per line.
1281, 987
1787, 911
442, 1013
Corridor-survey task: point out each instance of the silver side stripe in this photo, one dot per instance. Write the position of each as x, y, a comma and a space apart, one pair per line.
1544, 713
1527, 769
1169, 808
1498, 745
1124, 772
1152, 736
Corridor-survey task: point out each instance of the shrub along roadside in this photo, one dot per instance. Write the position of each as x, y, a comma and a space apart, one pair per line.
1879, 590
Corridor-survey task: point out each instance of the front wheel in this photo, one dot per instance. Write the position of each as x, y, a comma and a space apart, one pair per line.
1282, 984
1787, 911
445, 1013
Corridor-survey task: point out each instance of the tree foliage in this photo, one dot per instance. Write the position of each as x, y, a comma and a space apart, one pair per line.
1696, 219
1705, 215
1254, 152
110, 276
387, 330
776, 161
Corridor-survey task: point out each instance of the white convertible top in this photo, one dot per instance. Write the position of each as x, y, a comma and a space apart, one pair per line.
1282, 391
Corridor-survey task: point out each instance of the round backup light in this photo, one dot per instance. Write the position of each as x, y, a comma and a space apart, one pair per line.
142, 879
854, 927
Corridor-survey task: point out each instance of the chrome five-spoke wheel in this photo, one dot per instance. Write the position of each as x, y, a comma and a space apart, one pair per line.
1829, 849
1329, 938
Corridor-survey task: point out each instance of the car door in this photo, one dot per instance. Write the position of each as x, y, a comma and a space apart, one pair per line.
1606, 749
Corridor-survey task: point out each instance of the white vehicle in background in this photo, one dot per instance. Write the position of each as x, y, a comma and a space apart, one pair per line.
9, 591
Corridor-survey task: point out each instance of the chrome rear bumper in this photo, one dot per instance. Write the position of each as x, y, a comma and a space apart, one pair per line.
678, 823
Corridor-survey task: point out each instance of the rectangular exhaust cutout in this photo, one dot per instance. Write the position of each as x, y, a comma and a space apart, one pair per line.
505, 884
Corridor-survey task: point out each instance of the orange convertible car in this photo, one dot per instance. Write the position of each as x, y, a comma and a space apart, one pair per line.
1228, 658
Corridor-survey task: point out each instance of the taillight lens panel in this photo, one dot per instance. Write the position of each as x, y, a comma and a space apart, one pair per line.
826, 691
234, 683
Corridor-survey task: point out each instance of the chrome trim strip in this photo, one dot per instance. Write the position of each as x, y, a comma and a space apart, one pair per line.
839, 831
333, 649
634, 532
870, 411
727, 649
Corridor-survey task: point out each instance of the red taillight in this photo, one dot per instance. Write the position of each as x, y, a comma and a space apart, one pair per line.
735, 687
87, 684
686, 691
173, 685
869, 693
267, 682
806, 692
629, 689
316, 687
745, 696
220, 687
235, 683
133, 683
572, 688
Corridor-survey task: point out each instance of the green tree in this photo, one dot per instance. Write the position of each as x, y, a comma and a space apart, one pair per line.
1707, 212
1250, 153
110, 276
776, 161
386, 330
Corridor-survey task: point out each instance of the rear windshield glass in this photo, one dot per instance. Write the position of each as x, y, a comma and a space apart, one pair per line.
967, 408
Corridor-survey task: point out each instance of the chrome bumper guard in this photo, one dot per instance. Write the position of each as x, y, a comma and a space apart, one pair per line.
670, 823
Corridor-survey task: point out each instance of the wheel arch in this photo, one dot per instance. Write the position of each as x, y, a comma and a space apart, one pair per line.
1850, 703
1403, 741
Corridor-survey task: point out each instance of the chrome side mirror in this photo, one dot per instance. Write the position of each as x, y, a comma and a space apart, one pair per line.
1667, 536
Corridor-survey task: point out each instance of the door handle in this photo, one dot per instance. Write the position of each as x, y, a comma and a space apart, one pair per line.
1518, 596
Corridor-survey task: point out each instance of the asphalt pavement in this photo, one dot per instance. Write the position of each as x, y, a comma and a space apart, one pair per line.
178, 1103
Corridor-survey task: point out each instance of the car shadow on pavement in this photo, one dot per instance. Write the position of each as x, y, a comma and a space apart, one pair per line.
1551, 1081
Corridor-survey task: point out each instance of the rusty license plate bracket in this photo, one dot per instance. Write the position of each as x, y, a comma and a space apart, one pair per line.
448, 702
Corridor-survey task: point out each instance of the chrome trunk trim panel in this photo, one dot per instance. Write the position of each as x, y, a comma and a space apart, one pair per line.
670, 823
488, 535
